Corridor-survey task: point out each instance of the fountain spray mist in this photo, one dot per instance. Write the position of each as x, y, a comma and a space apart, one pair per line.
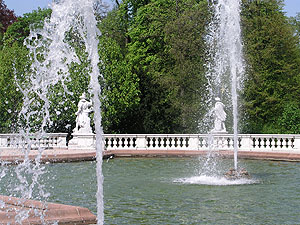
226, 69
52, 54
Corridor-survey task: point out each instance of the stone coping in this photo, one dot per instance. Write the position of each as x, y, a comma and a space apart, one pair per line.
279, 155
53, 156
63, 214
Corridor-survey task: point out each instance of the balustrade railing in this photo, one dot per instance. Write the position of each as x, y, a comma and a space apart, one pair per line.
53, 140
246, 142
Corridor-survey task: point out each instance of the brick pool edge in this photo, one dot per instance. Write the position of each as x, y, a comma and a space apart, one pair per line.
52, 212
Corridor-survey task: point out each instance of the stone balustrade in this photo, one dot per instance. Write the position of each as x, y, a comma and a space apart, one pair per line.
49, 140
246, 142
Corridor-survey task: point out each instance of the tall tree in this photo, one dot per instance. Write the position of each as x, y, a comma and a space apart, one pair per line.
148, 60
167, 53
13, 63
186, 47
273, 72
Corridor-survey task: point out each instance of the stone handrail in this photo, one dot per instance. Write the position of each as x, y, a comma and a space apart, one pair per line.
246, 142
49, 140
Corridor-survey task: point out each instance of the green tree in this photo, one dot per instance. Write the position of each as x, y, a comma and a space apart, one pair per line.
289, 120
20, 30
187, 49
148, 60
167, 52
272, 57
13, 63
120, 89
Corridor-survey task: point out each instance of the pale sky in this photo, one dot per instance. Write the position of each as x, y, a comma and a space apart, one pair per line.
24, 6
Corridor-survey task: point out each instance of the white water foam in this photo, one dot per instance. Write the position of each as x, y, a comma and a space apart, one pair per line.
214, 180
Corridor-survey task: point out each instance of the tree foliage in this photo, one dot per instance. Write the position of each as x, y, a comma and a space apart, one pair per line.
13, 63
272, 57
7, 17
153, 57
21, 28
168, 69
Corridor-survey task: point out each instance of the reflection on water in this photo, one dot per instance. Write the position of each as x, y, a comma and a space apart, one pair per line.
165, 191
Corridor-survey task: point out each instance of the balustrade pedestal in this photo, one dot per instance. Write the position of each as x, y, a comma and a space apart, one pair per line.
82, 141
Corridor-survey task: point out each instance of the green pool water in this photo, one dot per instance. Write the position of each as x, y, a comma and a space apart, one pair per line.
155, 191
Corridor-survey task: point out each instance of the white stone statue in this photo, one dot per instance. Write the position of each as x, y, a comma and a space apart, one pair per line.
83, 121
220, 117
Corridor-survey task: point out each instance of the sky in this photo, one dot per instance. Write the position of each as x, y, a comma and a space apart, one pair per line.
24, 6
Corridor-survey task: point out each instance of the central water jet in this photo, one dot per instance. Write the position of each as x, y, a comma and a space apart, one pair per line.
226, 69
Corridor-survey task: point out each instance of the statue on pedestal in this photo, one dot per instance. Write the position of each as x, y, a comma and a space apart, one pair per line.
220, 117
83, 121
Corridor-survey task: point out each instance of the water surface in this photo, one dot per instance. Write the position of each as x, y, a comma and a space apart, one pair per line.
153, 191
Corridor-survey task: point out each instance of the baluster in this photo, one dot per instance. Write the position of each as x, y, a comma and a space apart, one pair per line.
117, 142
8, 142
122, 140
187, 142
275, 142
170, 142
292, 143
155, 141
175, 142
151, 143
112, 143
270, 143
128, 142
206, 143
253, 142
165, 142
106, 140
281, 143
287, 143
134, 142
200, 142
259, 142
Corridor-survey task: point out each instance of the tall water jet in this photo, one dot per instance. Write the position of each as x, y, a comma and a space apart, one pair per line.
226, 68
52, 52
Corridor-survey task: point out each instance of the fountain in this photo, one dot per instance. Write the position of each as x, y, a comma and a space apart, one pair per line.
52, 53
226, 70
142, 195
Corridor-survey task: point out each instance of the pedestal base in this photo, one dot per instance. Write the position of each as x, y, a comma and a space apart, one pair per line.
82, 141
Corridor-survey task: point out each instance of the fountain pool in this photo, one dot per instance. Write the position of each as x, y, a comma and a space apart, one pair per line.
151, 191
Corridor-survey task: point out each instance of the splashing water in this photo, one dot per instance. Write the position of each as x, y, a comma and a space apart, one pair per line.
214, 180
225, 71
52, 52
